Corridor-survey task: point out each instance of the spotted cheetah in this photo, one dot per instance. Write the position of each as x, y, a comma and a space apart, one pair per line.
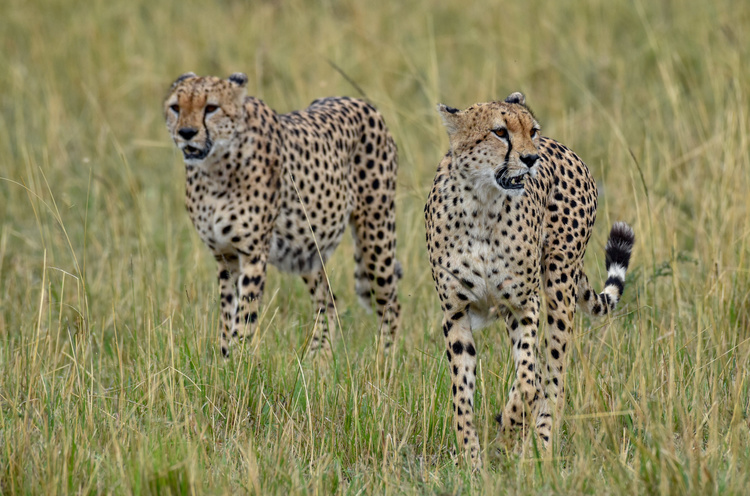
508, 218
276, 188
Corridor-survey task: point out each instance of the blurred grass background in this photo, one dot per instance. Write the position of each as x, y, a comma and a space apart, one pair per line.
109, 376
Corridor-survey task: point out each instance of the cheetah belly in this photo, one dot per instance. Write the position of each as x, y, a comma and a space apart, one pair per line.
487, 304
481, 314
487, 300
295, 250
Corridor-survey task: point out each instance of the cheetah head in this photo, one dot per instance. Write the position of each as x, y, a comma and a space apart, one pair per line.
494, 145
202, 113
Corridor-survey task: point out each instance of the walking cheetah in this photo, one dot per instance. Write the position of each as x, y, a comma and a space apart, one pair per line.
276, 188
509, 217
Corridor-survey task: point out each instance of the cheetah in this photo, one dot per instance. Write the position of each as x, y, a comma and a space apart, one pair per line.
508, 218
276, 188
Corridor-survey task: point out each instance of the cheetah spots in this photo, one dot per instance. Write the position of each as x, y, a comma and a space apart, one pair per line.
255, 280
281, 188
516, 247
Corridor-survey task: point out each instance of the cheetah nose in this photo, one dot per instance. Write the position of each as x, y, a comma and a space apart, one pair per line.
529, 160
187, 132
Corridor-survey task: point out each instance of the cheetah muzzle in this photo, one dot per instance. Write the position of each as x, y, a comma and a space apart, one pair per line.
515, 182
192, 153
189, 152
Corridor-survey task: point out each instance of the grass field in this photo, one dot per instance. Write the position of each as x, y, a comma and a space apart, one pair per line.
110, 376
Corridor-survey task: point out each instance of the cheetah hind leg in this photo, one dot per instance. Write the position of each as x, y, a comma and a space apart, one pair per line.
324, 316
229, 269
376, 274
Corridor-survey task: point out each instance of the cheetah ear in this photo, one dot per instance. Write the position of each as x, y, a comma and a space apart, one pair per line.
516, 97
238, 78
185, 76
451, 117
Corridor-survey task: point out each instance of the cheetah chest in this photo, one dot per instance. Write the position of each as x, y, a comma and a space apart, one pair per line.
218, 221
498, 259
304, 238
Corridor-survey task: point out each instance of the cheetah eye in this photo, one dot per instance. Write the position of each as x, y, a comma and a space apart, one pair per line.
210, 109
501, 132
175, 108
534, 133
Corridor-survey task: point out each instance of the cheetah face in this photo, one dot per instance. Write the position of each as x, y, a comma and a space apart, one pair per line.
494, 145
202, 114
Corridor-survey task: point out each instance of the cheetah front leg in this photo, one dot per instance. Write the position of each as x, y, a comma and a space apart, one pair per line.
462, 357
229, 269
526, 398
325, 312
250, 284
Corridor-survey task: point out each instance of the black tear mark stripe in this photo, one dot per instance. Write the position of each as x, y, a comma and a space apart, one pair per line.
510, 148
208, 135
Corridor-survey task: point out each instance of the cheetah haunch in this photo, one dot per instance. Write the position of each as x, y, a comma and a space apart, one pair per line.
509, 217
270, 188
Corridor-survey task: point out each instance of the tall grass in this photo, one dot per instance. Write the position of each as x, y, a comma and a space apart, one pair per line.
110, 380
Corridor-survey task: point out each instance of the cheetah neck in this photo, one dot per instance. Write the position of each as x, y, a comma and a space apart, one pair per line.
480, 185
482, 202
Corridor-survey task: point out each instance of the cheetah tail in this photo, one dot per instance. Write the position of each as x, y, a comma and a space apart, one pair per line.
618, 250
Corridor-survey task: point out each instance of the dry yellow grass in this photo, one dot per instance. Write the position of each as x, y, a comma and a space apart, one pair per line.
109, 376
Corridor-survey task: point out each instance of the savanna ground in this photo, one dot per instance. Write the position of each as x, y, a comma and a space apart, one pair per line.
110, 380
